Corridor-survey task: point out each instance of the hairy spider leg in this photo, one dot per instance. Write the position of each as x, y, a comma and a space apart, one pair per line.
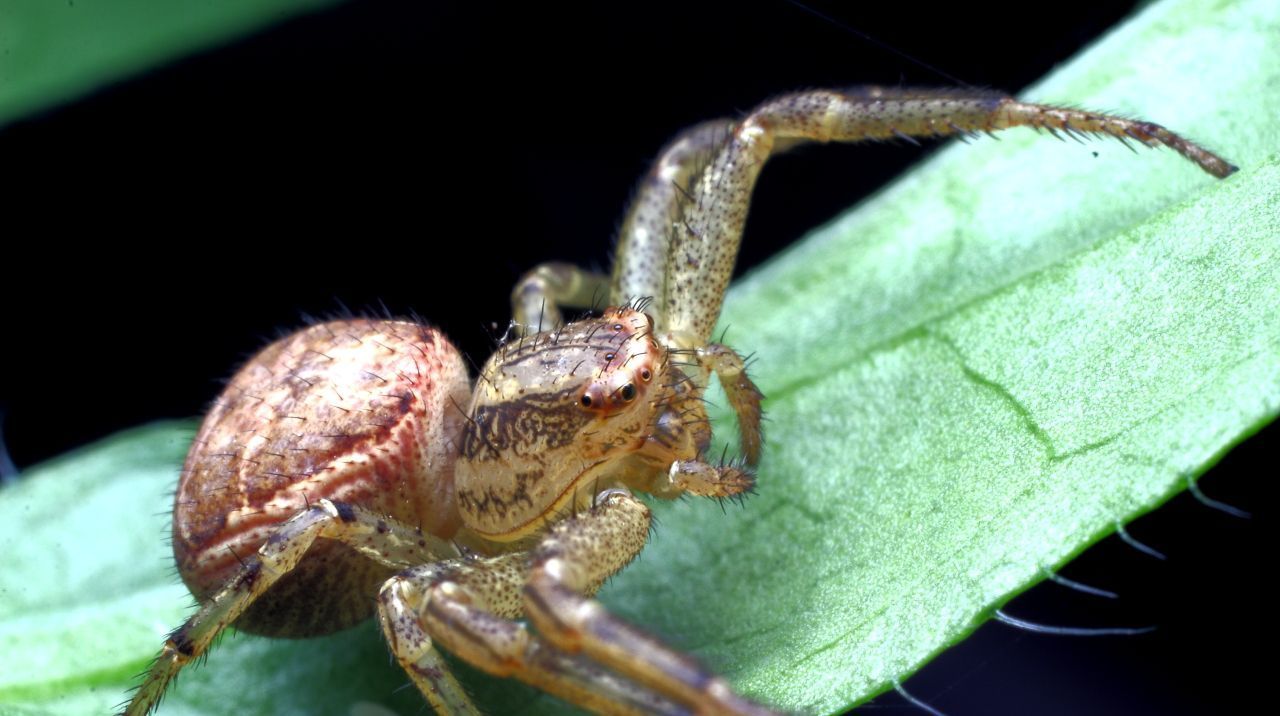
471, 609
705, 239
377, 537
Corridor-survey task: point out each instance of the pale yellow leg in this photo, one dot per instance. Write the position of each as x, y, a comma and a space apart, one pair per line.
701, 478
744, 397
471, 608
539, 295
411, 646
705, 239
379, 538
570, 563
640, 255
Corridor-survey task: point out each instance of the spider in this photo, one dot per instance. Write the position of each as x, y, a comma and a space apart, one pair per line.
354, 458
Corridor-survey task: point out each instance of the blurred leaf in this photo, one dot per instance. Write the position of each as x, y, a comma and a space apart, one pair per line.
52, 51
972, 377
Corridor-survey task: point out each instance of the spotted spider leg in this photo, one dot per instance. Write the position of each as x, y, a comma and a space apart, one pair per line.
485, 633
472, 607
377, 537
678, 247
680, 239
539, 295
640, 273
703, 245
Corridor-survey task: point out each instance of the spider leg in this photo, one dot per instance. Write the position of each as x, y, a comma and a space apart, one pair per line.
570, 563
379, 538
640, 254
744, 397
539, 295
579, 653
471, 607
704, 244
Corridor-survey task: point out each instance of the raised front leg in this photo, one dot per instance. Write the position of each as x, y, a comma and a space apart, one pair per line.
377, 537
705, 238
640, 255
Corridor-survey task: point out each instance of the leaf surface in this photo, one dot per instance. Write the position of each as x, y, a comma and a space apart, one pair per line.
972, 377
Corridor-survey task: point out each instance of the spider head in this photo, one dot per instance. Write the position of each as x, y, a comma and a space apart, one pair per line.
555, 414
626, 363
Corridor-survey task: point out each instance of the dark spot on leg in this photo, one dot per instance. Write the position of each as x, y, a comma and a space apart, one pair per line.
382, 527
345, 512
535, 596
250, 574
431, 672
182, 641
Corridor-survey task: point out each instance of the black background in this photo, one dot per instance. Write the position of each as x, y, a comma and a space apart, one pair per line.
421, 156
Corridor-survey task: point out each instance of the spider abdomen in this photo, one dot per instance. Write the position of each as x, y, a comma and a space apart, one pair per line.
359, 411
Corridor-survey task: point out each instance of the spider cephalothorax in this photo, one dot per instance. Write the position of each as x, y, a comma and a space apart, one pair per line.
567, 413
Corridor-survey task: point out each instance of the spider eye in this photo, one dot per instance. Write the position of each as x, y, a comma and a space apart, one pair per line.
586, 400
610, 356
645, 375
628, 392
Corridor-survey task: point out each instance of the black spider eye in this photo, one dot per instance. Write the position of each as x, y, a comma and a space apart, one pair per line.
628, 392
586, 401
609, 356
645, 375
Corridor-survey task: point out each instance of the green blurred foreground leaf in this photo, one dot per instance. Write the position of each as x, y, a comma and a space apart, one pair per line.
972, 377
52, 51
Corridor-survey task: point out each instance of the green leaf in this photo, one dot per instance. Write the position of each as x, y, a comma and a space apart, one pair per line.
52, 51
972, 377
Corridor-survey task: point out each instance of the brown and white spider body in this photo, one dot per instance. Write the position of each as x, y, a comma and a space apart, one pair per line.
353, 459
